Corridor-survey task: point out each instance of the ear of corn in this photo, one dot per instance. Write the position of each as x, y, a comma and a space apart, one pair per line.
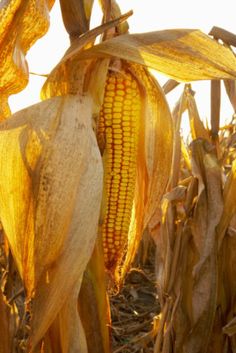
118, 138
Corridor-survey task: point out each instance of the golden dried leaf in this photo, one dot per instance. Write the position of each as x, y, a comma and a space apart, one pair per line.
76, 16
229, 203
187, 264
68, 77
158, 142
183, 54
207, 214
50, 190
230, 86
215, 107
22, 23
198, 129
177, 113
94, 303
5, 327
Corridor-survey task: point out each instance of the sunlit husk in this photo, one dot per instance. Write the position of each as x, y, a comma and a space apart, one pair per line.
50, 197
153, 161
22, 23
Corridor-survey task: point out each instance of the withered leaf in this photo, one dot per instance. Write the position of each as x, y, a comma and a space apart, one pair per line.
183, 54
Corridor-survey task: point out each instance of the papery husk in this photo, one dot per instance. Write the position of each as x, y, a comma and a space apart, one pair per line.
182, 54
50, 191
22, 23
154, 159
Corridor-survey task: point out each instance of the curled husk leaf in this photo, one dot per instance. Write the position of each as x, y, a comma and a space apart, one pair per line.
50, 193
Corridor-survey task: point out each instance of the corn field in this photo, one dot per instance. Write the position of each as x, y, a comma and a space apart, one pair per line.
99, 168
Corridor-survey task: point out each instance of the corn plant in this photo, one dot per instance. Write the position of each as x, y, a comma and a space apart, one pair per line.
84, 171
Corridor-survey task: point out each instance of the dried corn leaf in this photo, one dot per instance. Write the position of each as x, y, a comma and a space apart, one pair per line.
68, 77
229, 203
66, 334
158, 142
226, 36
230, 86
22, 23
215, 107
183, 54
187, 264
111, 10
50, 190
177, 113
94, 304
5, 327
76, 16
169, 86
207, 214
198, 129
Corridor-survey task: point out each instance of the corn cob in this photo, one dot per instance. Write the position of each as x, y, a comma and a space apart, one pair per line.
118, 137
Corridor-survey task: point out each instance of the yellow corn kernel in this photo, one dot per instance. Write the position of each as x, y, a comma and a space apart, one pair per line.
120, 115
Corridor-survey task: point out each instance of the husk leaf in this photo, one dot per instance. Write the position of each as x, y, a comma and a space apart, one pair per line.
53, 195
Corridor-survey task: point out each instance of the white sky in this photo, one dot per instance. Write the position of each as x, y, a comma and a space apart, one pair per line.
149, 15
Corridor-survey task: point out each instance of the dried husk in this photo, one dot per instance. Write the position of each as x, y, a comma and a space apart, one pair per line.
51, 190
154, 159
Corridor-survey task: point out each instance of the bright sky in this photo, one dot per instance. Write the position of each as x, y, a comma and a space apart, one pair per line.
149, 15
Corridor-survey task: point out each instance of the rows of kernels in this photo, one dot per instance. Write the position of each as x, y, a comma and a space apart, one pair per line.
119, 129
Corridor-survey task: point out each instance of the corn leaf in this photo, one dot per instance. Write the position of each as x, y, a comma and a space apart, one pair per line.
76, 16
187, 262
68, 76
230, 86
215, 107
21, 24
182, 54
94, 303
5, 327
198, 129
229, 203
158, 144
50, 189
